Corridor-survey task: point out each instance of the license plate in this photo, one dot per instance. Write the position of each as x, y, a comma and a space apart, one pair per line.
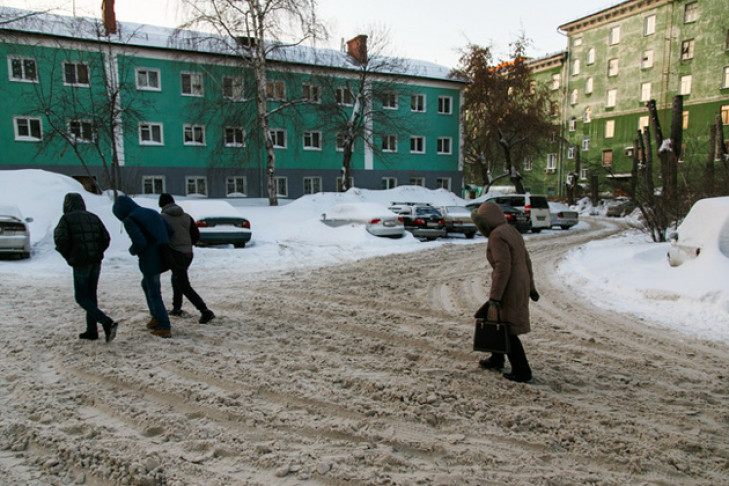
433, 225
388, 224
541, 218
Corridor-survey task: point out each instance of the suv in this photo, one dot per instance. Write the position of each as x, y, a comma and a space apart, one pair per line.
536, 207
458, 220
421, 219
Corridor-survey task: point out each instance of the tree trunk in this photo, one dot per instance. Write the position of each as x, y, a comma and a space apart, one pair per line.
709, 189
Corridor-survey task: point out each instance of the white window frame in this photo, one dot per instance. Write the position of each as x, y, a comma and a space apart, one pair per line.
556, 82
571, 152
645, 91
587, 115
444, 146
572, 124
312, 184
389, 182
687, 49
196, 89
278, 137
585, 143
389, 143
233, 87
643, 122
443, 183
312, 140
591, 54
311, 93
238, 138
575, 67
574, 96
589, 85
528, 163
81, 130
609, 128
417, 144
685, 119
24, 128
390, 101
77, 69
199, 185
148, 128
275, 90
193, 135
691, 12
344, 96
445, 105
282, 186
417, 103
577, 41
613, 66
551, 163
339, 143
239, 186
725, 78
685, 84
646, 61
614, 35
649, 24
151, 182
142, 79
24, 76
417, 181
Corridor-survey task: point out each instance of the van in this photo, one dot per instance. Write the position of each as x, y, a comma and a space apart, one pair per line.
536, 207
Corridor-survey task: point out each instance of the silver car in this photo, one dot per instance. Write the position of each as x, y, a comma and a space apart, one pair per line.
562, 215
458, 220
14, 232
376, 218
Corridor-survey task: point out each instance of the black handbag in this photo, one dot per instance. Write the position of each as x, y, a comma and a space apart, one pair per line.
491, 336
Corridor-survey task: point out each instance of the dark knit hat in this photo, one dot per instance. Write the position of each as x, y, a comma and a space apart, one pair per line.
165, 199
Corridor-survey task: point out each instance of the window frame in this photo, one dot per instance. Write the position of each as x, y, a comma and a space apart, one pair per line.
388, 182
390, 100
153, 179
234, 143
690, 12
649, 25
309, 184
551, 165
31, 121
235, 87
81, 123
193, 86
591, 56
613, 67
235, 191
442, 102
281, 182
614, 35
607, 158
443, 183
275, 90
147, 86
647, 59
344, 96
646, 90
589, 85
575, 67
311, 93
585, 143
314, 141
196, 180
76, 65
389, 143
24, 77
440, 145
685, 84
144, 125
193, 135
725, 78
277, 133
687, 49
417, 103
419, 144
609, 130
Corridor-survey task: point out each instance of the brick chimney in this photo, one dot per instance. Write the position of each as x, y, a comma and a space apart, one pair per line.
357, 48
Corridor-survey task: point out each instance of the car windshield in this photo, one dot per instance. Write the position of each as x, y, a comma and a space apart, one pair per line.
426, 211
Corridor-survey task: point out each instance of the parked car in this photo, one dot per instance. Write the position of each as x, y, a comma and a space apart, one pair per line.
458, 220
619, 207
219, 223
517, 218
14, 232
533, 205
562, 215
704, 231
421, 219
376, 218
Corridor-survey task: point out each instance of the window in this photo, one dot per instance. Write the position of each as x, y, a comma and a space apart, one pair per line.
282, 186
572, 126
685, 88
278, 136
443, 183
312, 141
389, 182
153, 184
554, 109
22, 69
589, 85
725, 78
555, 82
577, 42
643, 122
27, 129
607, 158
612, 98
649, 25
196, 185
573, 96
645, 92
528, 164
345, 96
147, 79
75, 74
236, 186
389, 143
685, 119
551, 163
150, 133
591, 55
646, 60
445, 105
417, 103
193, 134
341, 140
587, 115
585, 143
389, 101
417, 181
417, 144
235, 137
233, 87
613, 67
609, 128
192, 84
687, 50
571, 152
691, 12
614, 37
725, 114
444, 145
312, 185
310, 93
81, 131
275, 91
575, 67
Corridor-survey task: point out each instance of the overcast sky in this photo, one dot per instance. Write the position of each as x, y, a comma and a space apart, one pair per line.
428, 30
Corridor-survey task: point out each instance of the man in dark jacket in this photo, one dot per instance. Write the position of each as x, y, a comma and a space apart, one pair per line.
185, 235
81, 238
150, 235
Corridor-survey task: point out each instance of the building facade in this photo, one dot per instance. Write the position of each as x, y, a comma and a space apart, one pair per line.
179, 116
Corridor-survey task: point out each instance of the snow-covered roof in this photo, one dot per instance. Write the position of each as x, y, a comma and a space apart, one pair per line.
142, 35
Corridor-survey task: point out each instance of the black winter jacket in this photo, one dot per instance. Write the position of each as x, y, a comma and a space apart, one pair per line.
80, 236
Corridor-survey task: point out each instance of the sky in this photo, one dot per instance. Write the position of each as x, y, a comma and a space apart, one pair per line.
626, 273
427, 30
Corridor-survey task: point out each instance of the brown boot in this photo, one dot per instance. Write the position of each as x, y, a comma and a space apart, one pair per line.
163, 333
152, 323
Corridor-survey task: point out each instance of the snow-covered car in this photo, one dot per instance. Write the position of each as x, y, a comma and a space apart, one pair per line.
376, 218
14, 232
458, 220
704, 230
619, 207
219, 223
421, 219
562, 216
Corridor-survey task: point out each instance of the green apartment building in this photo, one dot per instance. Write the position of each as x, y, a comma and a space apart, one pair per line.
183, 119
619, 58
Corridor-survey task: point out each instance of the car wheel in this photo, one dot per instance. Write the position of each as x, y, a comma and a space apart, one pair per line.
470, 235
536, 230
565, 227
239, 245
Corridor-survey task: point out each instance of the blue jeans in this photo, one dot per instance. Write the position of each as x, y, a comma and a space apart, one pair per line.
85, 283
153, 293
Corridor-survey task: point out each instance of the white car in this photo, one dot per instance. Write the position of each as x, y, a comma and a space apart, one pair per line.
14, 232
704, 230
219, 222
377, 219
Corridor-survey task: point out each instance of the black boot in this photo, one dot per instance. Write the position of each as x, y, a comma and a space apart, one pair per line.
521, 372
495, 362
